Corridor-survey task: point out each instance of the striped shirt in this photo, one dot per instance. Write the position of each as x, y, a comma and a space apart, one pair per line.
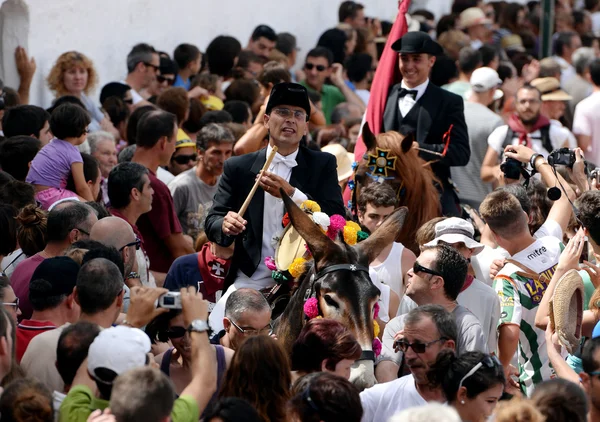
520, 296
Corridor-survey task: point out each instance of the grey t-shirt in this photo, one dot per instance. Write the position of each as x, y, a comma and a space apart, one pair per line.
470, 335
192, 199
481, 121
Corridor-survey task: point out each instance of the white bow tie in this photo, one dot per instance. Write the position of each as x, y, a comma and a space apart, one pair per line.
287, 161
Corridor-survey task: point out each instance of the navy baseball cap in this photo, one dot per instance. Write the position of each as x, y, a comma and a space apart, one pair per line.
291, 94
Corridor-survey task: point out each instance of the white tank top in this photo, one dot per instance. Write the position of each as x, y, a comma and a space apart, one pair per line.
390, 271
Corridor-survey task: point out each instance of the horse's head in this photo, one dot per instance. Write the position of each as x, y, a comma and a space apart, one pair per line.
390, 158
340, 279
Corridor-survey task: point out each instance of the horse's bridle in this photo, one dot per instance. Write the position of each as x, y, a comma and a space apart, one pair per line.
365, 354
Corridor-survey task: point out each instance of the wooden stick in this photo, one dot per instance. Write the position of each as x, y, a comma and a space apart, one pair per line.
256, 184
428, 151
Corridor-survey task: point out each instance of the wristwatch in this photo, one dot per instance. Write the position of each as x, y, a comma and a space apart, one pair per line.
533, 158
199, 326
131, 275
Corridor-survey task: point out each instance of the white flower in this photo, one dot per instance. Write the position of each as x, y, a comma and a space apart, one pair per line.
321, 219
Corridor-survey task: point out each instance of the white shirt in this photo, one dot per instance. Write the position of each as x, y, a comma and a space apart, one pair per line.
559, 137
384, 296
586, 121
390, 270
406, 103
164, 176
383, 401
273, 212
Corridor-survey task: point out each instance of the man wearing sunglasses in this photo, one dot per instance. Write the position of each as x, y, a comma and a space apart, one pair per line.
427, 331
299, 172
436, 278
143, 64
318, 68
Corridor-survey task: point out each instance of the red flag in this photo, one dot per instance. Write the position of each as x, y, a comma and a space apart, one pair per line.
386, 75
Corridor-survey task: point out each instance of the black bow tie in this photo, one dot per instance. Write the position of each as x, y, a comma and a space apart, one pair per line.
403, 92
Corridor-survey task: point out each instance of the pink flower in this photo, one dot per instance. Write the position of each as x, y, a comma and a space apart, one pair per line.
376, 310
337, 222
376, 346
270, 263
311, 308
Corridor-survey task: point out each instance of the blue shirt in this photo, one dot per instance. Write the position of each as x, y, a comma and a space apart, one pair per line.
180, 82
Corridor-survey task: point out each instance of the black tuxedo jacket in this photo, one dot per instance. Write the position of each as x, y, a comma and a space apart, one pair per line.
315, 175
430, 118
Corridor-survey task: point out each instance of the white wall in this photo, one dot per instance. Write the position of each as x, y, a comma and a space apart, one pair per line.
105, 30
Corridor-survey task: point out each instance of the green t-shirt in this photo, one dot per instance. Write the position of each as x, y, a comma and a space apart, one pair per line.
330, 97
81, 402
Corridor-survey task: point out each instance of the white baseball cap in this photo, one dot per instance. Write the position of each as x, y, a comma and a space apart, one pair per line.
484, 79
118, 349
456, 230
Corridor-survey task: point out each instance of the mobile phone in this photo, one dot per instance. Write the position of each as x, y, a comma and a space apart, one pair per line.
170, 300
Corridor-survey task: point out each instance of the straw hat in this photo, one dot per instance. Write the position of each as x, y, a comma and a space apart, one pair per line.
566, 310
471, 17
344, 160
550, 89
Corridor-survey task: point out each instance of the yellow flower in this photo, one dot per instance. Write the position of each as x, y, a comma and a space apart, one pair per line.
375, 328
311, 206
353, 225
350, 235
297, 267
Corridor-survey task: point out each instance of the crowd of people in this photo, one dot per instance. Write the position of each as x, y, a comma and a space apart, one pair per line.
145, 227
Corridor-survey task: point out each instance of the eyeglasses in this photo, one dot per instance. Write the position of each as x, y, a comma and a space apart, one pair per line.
161, 79
184, 159
14, 303
137, 242
319, 67
253, 332
418, 348
286, 113
489, 361
175, 332
153, 66
418, 268
82, 231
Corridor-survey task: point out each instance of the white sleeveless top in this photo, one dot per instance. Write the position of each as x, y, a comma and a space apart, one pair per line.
390, 271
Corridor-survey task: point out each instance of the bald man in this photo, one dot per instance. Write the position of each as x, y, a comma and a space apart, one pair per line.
116, 232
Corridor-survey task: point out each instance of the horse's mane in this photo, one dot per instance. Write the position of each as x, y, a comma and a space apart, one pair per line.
420, 195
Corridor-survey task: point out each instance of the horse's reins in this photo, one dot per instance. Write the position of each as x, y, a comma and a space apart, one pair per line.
365, 354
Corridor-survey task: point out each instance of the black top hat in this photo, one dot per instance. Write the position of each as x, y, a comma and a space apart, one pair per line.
417, 43
288, 93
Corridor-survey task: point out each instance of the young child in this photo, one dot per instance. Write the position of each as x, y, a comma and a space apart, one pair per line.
51, 166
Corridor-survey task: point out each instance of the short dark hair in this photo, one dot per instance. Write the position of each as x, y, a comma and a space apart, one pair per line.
562, 40
560, 400
215, 116
174, 100
27, 120
184, 54
588, 212
134, 119
588, 360
264, 31
91, 170
197, 110
595, 71
116, 109
61, 220
99, 283
221, 53
488, 54
273, 73
213, 133
232, 409
246, 57
40, 297
72, 348
121, 180
469, 59
100, 250
16, 153
452, 266
239, 110
334, 40
65, 99
17, 193
443, 320
349, 9
378, 195
8, 228
286, 43
69, 121
153, 126
519, 192
113, 89
243, 90
321, 52
140, 53
358, 66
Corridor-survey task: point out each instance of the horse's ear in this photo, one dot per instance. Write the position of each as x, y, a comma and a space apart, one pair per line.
318, 243
409, 137
368, 137
384, 235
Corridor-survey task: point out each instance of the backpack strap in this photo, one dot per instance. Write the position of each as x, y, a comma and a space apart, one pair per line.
510, 134
546, 143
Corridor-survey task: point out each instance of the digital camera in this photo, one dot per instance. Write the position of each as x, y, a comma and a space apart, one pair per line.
170, 300
512, 168
562, 156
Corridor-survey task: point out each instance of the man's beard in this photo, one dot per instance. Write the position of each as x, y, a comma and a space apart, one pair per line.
531, 121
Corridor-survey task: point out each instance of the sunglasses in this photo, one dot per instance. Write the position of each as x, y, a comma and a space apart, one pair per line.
137, 242
184, 159
418, 268
153, 66
176, 332
14, 303
488, 361
319, 67
418, 348
162, 79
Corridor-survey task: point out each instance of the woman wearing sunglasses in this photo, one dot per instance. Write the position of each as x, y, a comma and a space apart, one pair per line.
177, 360
10, 302
472, 383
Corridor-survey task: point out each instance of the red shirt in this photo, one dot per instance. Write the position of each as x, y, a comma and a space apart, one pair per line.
28, 329
158, 224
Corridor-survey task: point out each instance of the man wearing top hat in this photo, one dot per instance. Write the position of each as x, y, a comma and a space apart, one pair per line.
302, 173
434, 115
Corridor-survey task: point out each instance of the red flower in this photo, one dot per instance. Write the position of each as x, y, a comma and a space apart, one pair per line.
286, 220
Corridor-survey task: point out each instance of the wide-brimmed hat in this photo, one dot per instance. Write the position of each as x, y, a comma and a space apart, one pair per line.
550, 89
456, 230
417, 43
471, 17
566, 309
344, 160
